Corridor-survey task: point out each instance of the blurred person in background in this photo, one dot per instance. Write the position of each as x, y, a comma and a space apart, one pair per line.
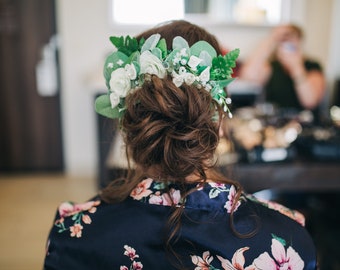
289, 78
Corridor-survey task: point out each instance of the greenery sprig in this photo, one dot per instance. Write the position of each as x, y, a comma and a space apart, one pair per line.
198, 65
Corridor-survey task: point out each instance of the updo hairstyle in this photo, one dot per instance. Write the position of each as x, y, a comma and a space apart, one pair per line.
171, 128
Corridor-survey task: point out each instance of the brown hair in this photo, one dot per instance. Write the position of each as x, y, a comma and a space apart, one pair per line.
170, 132
297, 30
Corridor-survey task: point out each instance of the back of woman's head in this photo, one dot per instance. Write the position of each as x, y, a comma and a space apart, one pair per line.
171, 129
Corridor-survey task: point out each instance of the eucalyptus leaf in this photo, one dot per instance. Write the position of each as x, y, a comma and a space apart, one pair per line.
114, 61
179, 43
200, 46
103, 107
157, 52
150, 43
206, 58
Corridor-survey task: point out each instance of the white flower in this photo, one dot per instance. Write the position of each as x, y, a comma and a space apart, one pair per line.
114, 98
182, 70
194, 61
205, 75
151, 64
110, 65
120, 82
189, 78
183, 52
177, 79
183, 61
131, 71
186, 77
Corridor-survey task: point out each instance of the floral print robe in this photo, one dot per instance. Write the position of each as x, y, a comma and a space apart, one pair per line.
130, 234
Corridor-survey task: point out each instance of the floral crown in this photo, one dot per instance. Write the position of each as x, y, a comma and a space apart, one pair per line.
132, 62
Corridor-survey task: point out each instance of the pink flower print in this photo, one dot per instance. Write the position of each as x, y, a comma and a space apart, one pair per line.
237, 262
283, 260
200, 186
231, 200
141, 190
217, 185
202, 263
293, 214
165, 198
76, 230
80, 207
137, 265
156, 198
93, 210
130, 252
65, 208
86, 219
175, 195
59, 221
68, 209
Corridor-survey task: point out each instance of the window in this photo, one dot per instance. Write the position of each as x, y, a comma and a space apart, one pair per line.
146, 11
253, 12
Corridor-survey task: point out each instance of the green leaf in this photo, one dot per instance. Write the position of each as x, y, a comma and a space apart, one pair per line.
126, 45
200, 46
131, 43
118, 42
179, 43
151, 43
231, 57
224, 83
213, 193
103, 107
163, 47
112, 63
157, 52
134, 57
281, 240
206, 58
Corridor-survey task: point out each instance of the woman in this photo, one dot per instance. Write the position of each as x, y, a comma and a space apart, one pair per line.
289, 78
173, 210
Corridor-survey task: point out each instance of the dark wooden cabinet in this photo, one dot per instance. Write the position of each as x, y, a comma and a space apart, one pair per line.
30, 124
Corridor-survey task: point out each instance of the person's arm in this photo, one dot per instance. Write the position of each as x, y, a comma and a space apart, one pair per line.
309, 85
310, 88
257, 67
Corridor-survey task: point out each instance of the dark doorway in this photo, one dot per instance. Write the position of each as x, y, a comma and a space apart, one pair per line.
30, 121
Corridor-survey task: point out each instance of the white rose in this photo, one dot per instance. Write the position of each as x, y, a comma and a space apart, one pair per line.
151, 64
131, 71
120, 82
114, 98
189, 78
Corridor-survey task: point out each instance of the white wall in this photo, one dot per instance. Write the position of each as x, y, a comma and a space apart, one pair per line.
84, 28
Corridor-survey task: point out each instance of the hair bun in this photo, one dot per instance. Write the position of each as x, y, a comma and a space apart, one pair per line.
171, 127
